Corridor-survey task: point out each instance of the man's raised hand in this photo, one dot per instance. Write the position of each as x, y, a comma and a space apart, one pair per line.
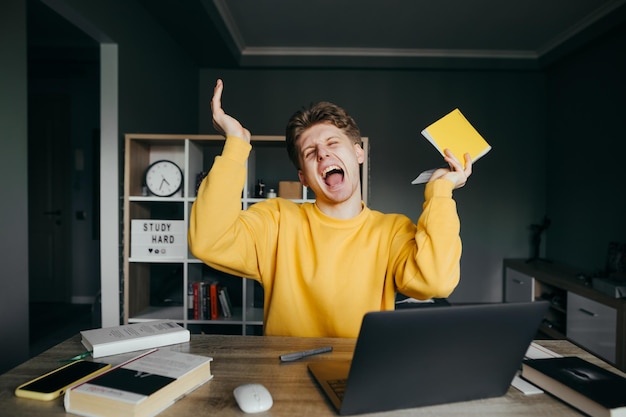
223, 123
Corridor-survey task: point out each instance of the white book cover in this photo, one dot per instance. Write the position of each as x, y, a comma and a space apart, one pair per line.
132, 337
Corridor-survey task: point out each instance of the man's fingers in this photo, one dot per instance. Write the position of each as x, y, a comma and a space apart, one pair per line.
216, 101
468, 165
216, 106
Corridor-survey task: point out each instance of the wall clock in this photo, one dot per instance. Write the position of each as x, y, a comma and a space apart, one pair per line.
163, 178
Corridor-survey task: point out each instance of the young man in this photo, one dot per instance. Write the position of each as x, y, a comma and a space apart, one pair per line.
323, 265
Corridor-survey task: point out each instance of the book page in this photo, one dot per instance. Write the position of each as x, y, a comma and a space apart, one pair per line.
167, 363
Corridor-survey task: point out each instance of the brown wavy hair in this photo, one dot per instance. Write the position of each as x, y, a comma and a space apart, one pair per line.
321, 112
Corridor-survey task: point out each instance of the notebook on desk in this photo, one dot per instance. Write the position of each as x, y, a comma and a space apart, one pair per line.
427, 356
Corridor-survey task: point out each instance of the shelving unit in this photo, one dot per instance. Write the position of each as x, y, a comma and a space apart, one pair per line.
159, 286
577, 311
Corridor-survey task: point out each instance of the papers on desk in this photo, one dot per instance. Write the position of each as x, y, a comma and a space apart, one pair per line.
524, 386
534, 351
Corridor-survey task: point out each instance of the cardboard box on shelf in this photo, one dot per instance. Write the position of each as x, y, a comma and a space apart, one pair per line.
290, 189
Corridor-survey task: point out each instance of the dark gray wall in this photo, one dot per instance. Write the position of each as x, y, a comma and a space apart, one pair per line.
507, 191
586, 150
157, 80
145, 94
14, 185
157, 93
157, 89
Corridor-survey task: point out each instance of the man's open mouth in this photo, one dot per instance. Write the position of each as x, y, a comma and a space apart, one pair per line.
332, 175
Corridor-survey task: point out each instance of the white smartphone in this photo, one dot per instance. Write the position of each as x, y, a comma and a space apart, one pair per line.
54, 384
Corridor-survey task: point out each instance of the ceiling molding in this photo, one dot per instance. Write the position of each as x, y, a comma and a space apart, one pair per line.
591, 19
228, 22
269, 56
390, 52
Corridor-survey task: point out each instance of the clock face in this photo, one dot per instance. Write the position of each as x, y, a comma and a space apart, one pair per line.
163, 178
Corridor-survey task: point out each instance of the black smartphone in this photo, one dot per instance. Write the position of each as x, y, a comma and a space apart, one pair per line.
54, 384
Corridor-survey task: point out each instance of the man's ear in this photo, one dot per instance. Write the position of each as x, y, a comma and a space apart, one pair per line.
302, 179
360, 153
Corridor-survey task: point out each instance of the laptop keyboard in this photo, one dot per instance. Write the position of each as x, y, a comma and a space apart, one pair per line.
338, 386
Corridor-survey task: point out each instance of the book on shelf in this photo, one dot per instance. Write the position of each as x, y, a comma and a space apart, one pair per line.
201, 300
593, 390
213, 310
454, 132
225, 303
197, 300
114, 340
190, 300
210, 301
143, 386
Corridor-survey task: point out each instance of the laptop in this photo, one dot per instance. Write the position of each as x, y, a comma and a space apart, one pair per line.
426, 356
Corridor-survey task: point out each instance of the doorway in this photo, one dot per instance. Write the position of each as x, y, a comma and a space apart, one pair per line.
63, 113
49, 199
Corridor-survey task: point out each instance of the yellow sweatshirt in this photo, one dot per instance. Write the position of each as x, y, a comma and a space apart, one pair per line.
320, 274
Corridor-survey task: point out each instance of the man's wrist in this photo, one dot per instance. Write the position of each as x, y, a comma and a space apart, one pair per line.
441, 187
236, 148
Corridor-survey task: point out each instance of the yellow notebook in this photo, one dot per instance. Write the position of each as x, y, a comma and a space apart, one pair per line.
453, 131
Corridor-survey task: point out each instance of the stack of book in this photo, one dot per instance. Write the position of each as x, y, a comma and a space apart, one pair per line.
209, 300
585, 386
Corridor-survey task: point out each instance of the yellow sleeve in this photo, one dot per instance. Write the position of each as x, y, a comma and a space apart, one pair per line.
434, 271
215, 235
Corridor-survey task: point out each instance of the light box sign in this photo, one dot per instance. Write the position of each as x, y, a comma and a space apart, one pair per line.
162, 239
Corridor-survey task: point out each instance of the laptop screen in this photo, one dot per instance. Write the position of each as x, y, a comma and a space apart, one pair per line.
427, 356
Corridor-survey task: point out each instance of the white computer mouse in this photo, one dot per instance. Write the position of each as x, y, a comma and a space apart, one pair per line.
253, 398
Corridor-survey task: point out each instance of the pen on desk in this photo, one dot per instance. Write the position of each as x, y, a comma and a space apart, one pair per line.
294, 356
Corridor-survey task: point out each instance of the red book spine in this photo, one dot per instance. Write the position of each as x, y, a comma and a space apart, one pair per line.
214, 301
196, 300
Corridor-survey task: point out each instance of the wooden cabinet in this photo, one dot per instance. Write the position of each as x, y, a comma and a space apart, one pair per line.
593, 325
159, 270
518, 287
522, 287
577, 312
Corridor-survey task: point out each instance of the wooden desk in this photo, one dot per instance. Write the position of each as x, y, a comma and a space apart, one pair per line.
242, 359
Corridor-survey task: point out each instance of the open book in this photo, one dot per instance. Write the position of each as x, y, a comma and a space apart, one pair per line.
456, 133
142, 386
